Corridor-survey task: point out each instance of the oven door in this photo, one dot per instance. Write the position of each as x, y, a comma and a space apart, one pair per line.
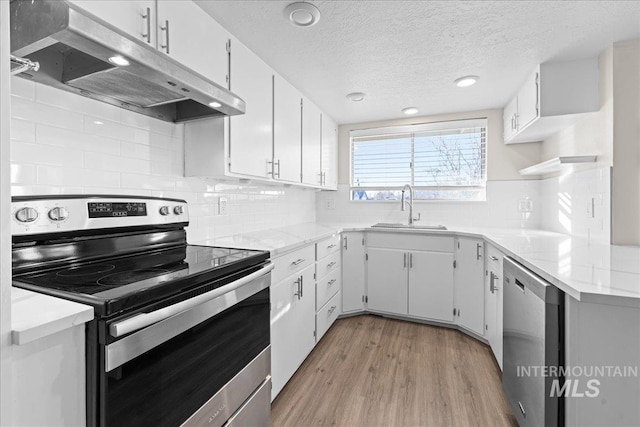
197, 365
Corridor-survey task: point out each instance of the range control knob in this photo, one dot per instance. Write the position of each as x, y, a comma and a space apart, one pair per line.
164, 210
26, 215
58, 214
178, 210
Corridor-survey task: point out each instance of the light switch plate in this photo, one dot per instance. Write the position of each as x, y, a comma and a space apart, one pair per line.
222, 205
330, 204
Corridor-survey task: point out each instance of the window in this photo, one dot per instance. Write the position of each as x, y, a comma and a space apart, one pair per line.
442, 161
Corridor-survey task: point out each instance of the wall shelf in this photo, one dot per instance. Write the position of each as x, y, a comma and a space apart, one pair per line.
556, 164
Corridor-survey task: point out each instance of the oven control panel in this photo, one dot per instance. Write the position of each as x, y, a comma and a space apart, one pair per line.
39, 215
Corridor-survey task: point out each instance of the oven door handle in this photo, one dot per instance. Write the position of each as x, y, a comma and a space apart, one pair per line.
143, 320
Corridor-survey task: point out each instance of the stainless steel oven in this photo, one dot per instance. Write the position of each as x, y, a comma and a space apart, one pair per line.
181, 332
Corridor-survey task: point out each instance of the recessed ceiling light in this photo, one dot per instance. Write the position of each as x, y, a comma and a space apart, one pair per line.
410, 110
215, 104
97, 122
466, 81
356, 96
302, 14
119, 60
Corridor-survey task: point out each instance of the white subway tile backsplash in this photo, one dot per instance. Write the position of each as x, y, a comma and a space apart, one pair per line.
23, 88
71, 139
43, 113
23, 174
22, 152
103, 127
107, 162
48, 175
51, 96
23, 130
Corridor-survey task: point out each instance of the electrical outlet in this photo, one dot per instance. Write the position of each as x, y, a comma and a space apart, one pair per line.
223, 203
330, 204
525, 205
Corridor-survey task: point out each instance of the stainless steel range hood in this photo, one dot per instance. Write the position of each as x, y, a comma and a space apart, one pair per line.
73, 48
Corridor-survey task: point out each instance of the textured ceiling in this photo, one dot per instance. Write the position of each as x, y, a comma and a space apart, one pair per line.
407, 53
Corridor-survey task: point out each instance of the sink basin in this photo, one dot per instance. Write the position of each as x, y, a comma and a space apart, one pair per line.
409, 226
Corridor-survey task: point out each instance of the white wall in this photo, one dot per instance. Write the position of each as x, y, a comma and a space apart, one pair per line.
57, 147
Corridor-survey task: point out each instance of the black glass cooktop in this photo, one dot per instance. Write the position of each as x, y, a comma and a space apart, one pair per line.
113, 285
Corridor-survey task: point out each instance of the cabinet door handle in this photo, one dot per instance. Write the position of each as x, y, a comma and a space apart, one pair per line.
411, 260
331, 246
166, 33
146, 16
478, 247
493, 258
331, 264
405, 259
301, 286
331, 282
333, 307
297, 283
277, 164
345, 243
298, 261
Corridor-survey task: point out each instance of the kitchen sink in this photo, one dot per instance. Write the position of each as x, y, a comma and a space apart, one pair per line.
410, 226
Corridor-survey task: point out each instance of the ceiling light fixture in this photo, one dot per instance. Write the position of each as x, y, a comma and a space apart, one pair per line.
302, 14
215, 104
119, 61
466, 81
410, 110
356, 96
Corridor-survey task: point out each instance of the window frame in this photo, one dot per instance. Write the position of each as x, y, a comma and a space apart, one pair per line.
412, 129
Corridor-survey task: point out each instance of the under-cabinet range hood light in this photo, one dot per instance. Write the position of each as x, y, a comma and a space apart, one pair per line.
83, 54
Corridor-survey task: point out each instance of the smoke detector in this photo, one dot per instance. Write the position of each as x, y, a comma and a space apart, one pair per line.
302, 14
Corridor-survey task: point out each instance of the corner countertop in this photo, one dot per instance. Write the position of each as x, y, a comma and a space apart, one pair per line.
587, 271
35, 316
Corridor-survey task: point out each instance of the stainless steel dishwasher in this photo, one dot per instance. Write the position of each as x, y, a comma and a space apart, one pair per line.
533, 341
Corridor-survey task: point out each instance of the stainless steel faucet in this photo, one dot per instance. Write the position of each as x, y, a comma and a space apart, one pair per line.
410, 203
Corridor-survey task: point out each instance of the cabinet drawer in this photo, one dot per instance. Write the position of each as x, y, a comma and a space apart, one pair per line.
290, 263
327, 265
327, 315
494, 259
327, 246
327, 287
406, 241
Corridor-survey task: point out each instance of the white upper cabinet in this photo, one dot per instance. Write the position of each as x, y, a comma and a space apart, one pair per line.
553, 97
190, 36
329, 161
134, 17
469, 284
311, 143
287, 137
251, 134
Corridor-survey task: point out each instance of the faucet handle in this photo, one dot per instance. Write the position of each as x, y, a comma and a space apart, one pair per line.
417, 219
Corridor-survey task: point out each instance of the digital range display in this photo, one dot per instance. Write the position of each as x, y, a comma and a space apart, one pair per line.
115, 210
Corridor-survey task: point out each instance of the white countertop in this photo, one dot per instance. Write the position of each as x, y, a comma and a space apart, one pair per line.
587, 271
35, 316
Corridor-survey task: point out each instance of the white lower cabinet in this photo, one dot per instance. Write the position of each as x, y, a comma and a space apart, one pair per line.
292, 323
469, 281
353, 271
328, 269
387, 280
431, 285
493, 301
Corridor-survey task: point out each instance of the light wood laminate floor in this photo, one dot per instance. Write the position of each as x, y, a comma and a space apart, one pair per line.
374, 371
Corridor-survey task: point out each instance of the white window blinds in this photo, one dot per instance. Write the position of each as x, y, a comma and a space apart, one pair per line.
445, 160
